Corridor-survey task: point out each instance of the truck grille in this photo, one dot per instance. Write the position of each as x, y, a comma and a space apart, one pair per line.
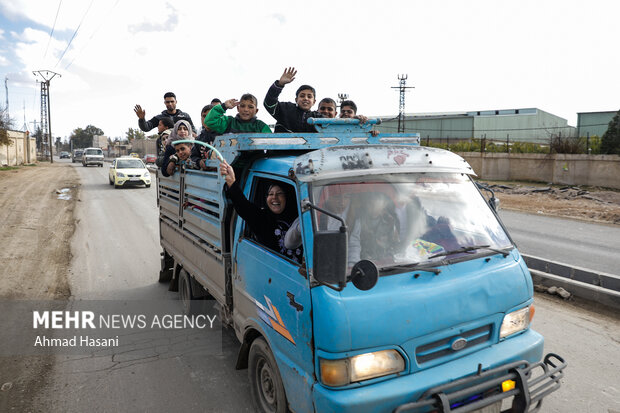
442, 348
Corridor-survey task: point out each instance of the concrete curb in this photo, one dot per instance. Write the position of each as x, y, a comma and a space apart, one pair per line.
591, 285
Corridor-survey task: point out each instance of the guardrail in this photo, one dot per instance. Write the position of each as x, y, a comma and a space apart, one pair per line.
591, 285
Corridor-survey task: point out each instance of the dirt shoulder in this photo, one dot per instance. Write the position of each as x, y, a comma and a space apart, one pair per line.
577, 202
36, 223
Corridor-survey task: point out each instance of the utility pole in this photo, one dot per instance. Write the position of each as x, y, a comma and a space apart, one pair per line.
6, 88
6, 108
46, 123
401, 105
25, 127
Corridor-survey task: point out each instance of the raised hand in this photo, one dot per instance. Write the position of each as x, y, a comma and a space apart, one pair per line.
231, 103
141, 113
288, 76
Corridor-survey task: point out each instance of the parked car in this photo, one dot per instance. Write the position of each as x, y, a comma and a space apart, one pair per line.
77, 155
150, 158
65, 155
92, 156
127, 172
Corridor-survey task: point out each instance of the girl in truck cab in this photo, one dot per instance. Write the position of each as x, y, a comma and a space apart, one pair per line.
270, 224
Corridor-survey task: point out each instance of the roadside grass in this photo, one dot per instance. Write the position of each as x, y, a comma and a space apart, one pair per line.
11, 168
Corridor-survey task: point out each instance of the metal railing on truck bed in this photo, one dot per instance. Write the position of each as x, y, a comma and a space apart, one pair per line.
191, 217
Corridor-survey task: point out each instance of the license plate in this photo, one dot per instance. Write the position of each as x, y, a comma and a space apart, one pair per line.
494, 408
134, 179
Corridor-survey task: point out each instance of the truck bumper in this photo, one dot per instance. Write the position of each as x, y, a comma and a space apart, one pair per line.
423, 390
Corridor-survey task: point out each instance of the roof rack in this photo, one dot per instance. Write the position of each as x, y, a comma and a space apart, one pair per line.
330, 132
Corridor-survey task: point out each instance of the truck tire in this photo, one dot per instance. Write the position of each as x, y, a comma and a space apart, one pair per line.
265, 381
191, 305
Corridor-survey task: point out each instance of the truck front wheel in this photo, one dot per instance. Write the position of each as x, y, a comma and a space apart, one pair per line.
265, 381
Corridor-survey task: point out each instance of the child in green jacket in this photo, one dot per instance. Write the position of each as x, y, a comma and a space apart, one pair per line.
244, 122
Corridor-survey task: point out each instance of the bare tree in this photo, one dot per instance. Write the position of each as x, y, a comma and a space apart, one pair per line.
6, 123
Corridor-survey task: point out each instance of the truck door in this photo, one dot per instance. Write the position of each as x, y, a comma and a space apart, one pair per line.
272, 292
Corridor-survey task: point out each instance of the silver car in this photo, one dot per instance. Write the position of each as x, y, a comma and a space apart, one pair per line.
92, 156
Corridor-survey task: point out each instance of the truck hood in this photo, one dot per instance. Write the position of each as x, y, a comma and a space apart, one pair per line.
402, 308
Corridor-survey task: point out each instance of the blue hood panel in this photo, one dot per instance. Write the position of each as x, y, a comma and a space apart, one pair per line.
401, 308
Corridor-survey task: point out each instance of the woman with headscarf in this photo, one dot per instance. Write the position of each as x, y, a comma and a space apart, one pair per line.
268, 224
178, 154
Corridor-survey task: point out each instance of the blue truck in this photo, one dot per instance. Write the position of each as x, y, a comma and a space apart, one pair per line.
411, 296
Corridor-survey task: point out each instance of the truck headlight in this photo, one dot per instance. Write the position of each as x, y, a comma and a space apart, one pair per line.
516, 321
336, 373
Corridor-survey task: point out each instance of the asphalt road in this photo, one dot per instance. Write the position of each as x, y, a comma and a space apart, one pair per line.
116, 255
583, 244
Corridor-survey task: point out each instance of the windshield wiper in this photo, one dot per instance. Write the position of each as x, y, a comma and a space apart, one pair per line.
409, 267
470, 249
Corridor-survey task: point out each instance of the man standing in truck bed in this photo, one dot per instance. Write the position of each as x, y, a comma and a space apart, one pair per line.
170, 100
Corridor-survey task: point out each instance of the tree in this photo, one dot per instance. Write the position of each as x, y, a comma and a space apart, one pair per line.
134, 134
6, 123
610, 142
83, 138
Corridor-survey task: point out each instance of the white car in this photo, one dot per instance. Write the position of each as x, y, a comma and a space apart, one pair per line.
92, 156
127, 172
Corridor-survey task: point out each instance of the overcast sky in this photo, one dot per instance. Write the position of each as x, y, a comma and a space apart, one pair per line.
560, 56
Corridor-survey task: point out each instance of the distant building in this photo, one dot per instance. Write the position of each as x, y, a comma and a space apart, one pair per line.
100, 141
524, 125
593, 123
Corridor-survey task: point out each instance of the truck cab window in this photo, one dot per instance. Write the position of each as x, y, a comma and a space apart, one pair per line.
275, 210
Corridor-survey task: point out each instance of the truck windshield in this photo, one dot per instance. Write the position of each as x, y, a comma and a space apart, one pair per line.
94, 152
410, 218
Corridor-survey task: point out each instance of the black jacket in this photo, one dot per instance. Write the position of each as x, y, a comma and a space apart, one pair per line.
269, 228
147, 125
289, 116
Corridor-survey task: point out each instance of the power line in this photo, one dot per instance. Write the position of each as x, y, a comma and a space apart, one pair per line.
74, 33
52, 32
103, 21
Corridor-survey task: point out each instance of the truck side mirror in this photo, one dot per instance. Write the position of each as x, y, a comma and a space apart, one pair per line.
330, 258
364, 275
